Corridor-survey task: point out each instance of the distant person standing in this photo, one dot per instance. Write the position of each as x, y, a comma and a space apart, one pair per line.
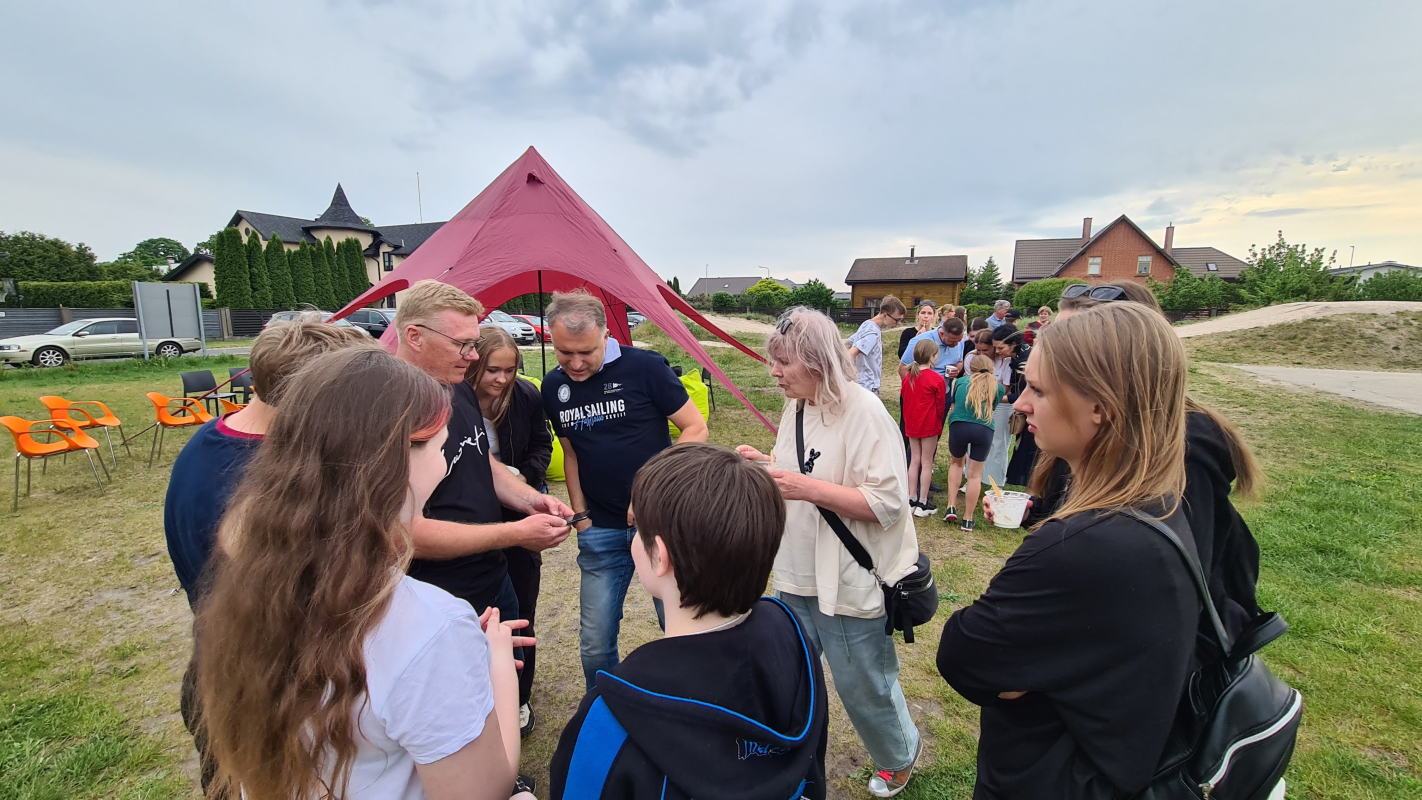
949, 340
1044, 318
609, 407
923, 396
999, 314
866, 346
925, 319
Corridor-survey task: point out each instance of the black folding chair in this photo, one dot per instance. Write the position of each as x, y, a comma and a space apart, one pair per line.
710, 387
243, 383
201, 382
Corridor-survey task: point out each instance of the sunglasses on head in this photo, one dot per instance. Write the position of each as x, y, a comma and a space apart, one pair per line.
783, 326
1104, 294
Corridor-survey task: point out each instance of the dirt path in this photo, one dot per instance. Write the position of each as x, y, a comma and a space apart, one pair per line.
742, 325
1290, 312
1402, 390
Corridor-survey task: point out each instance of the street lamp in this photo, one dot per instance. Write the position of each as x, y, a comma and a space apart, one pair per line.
767, 271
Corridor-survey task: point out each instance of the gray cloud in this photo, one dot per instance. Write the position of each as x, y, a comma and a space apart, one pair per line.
1279, 212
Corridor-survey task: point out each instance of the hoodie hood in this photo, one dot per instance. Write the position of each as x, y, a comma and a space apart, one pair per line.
739, 713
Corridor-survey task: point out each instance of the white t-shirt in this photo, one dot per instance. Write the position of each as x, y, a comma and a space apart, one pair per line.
428, 690
869, 364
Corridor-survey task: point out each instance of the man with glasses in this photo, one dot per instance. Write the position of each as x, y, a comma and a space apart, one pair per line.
866, 346
460, 535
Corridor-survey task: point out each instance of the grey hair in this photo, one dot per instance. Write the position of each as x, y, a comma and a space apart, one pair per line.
578, 311
811, 338
1001, 304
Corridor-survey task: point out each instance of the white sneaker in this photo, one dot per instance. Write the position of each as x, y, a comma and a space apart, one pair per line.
525, 720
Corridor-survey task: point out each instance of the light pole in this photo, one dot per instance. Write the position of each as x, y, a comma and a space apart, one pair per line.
1351, 248
767, 271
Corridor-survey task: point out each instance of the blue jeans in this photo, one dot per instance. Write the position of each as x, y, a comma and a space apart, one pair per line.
605, 558
865, 667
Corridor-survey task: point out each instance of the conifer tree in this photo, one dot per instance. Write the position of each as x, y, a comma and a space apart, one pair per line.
257, 265
340, 292
279, 273
321, 276
303, 284
358, 280
229, 270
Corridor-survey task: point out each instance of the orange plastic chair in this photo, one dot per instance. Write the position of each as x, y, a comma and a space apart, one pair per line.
28, 446
59, 408
228, 406
174, 412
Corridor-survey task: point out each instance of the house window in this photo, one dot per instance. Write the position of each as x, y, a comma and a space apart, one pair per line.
872, 302
1212, 267
389, 261
1143, 265
1093, 265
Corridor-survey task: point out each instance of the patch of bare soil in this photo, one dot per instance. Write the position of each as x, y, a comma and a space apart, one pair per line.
1290, 312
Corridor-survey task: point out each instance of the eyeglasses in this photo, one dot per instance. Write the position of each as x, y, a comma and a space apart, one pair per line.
897, 320
465, 348
1104, 294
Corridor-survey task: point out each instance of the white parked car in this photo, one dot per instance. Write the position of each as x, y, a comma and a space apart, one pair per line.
521, 331
112, 337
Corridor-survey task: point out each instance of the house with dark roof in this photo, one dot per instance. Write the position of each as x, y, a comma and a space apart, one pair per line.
737, 285
385, 246
1368, 270
1119, 251
912, 280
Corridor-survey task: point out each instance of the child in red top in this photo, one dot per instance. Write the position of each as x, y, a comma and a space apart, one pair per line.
924, 395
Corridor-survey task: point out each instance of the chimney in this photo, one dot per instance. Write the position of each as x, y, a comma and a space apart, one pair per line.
1086, 230
911, 249
1169, 238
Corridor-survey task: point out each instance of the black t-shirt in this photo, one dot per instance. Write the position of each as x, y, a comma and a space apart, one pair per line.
466, 495
615, 420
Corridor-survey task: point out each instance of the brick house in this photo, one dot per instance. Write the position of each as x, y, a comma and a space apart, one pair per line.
1119, 251
912, 280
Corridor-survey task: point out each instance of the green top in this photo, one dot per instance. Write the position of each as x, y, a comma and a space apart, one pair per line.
962, 412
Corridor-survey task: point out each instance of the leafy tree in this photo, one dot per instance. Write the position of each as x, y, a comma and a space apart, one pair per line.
208, 245
340, 292
813, 294
1399, 284
303, 282
1288, 273
279, 273
257, 273
129, 271
1045, 292
1187, 292
321, 277
767, 295
722, 301
984, 285
154, 252
36, 257
230, 270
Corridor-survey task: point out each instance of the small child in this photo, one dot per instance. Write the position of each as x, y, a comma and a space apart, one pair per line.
731, 703
924, 394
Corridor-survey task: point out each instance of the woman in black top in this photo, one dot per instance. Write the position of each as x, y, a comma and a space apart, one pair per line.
924, 322
519, 438
1013, 346
1079, 649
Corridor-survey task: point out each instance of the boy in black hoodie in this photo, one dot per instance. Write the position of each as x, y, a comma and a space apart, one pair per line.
731, 703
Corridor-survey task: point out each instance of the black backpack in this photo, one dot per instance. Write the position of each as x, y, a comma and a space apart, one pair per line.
1235, 728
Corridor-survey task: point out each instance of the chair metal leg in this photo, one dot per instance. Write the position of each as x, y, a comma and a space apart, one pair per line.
154, 447
16, 505
162, 434
124, 439
44, 468
107, 476
29, 470
111, 448
90, 454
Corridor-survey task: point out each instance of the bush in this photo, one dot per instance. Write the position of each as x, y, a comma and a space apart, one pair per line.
722, 301
768, 296
813, 294
976, 310
1399, 284
74, 294
1186, 292
1045, 292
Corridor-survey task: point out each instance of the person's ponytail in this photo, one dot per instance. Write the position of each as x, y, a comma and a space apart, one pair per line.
982, 387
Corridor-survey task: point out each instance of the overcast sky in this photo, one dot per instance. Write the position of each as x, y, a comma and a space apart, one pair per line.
794, 135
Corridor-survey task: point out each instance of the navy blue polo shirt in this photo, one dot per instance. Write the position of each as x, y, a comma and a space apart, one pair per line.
615, 421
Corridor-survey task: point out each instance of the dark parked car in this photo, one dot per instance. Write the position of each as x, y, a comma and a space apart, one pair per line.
288, 316
373, 321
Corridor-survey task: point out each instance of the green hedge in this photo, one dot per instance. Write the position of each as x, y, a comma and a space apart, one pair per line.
1045, 292
976, 310
82, 294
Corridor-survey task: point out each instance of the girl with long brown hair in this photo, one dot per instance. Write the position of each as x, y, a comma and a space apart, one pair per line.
923, 394
970, 429
1079, 649
326, 672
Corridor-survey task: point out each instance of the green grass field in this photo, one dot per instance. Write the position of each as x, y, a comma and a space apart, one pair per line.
96, 634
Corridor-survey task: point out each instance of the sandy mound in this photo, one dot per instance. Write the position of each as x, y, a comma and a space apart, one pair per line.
1290, 312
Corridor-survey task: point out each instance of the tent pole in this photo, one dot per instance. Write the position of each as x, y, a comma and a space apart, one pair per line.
542, 351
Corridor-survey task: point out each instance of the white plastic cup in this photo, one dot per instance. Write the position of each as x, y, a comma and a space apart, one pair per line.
1008, 510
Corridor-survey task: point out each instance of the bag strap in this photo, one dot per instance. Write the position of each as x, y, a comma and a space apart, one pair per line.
861, 556
1201, 587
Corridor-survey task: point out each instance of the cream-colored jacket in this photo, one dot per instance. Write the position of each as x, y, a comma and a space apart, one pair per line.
859, 445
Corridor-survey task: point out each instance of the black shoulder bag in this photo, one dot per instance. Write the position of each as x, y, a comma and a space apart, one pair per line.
907, 604
1235, 728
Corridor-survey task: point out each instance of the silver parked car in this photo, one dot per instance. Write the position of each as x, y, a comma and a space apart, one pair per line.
521, 331
112, 337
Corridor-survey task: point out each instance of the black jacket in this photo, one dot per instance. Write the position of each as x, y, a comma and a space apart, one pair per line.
738, 714
525, 442
1229, 554
1094, 616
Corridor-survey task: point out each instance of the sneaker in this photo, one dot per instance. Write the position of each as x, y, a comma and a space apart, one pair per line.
934, 487
967, 525
925, 510
524, 783
887, 784
525, 720
951, 516
914, 504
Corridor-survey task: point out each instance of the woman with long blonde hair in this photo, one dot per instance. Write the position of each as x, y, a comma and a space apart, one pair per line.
970, 431
326, 672
1079, 649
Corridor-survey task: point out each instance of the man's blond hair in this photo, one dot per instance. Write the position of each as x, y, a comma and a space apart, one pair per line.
424, 302
282, 348
577, 310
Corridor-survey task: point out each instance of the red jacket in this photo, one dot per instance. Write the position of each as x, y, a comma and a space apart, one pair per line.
924, 399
